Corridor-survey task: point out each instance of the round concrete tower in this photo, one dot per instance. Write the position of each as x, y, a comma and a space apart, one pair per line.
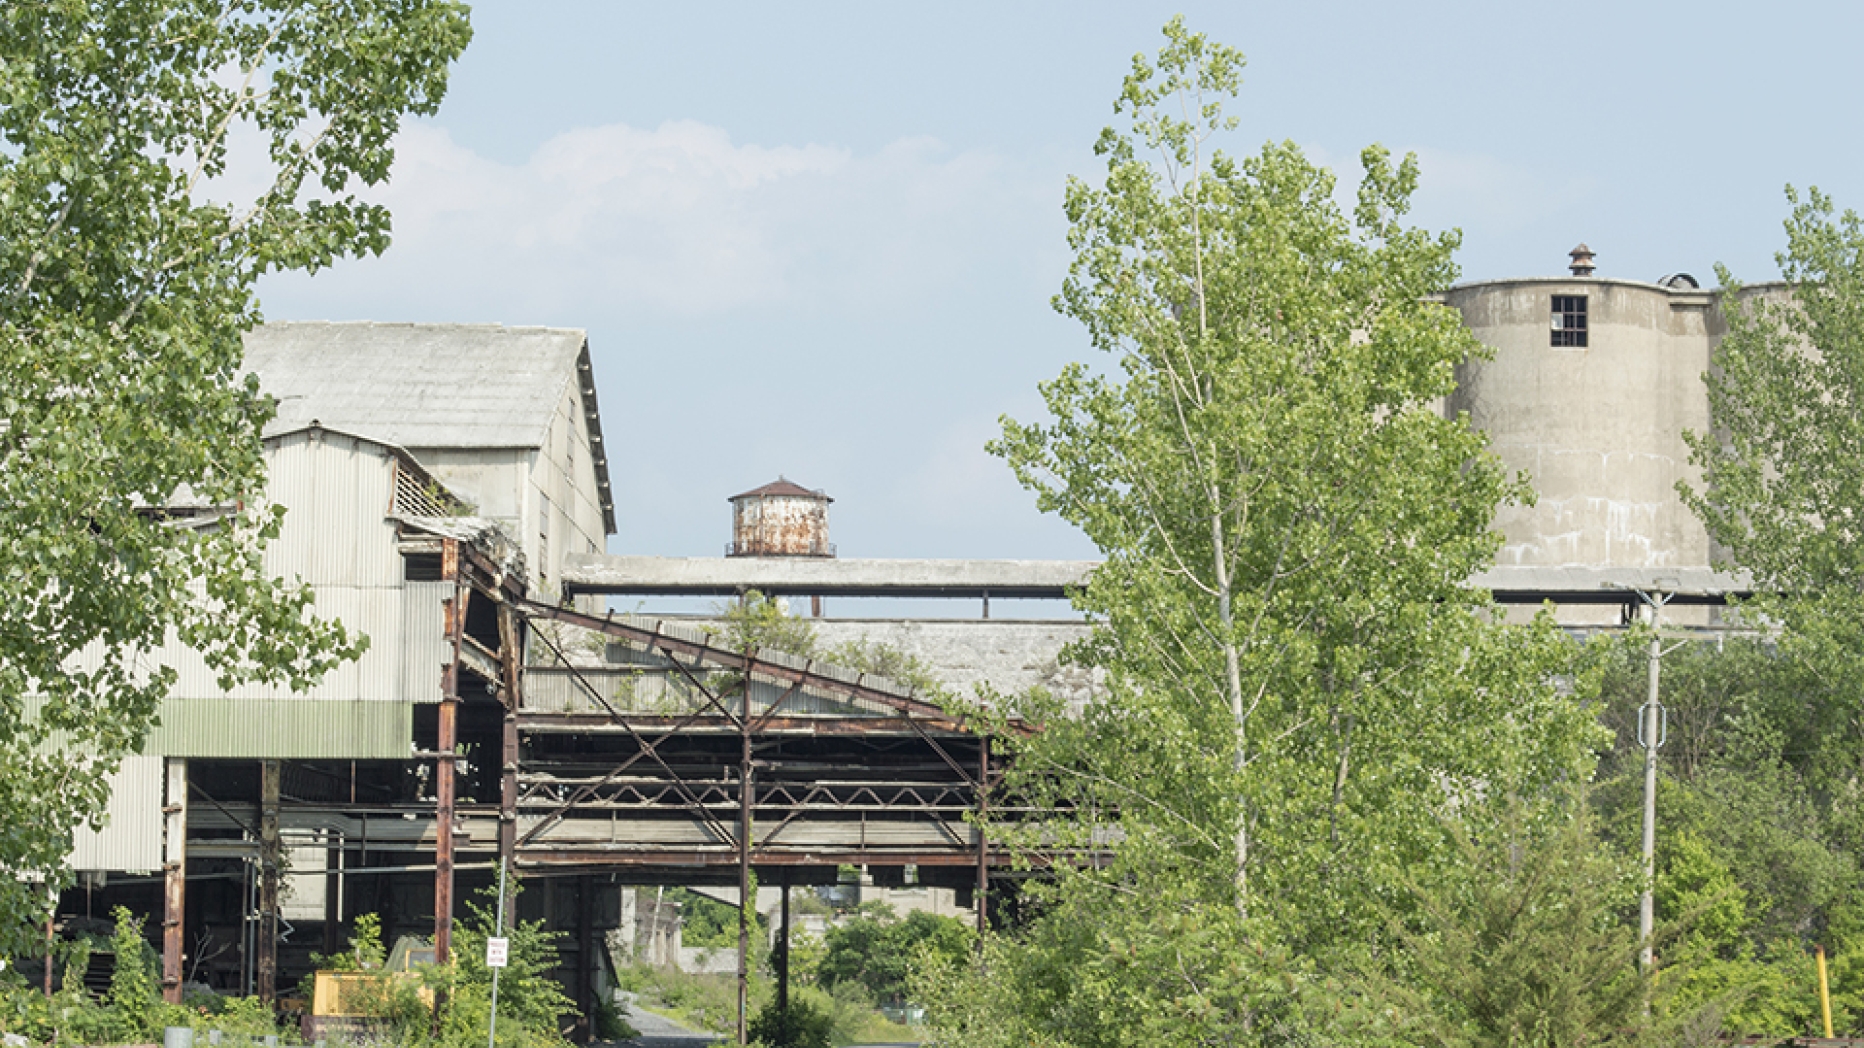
1592, 383
780, 519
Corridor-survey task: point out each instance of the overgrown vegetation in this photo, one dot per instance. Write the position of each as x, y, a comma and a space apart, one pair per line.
879, 952
131, 1011
758, 620
836, 991
1759, 825
531, 1006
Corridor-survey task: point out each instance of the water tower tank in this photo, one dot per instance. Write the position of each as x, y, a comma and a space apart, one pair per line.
780, 519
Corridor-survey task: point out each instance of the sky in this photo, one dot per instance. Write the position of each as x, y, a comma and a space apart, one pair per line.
820, 240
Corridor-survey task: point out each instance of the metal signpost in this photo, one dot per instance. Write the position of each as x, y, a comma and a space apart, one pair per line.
497, 954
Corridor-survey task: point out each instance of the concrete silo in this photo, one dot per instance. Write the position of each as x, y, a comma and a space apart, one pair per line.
1592, 383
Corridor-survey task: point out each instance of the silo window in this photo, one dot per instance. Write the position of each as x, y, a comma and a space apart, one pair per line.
1569, 320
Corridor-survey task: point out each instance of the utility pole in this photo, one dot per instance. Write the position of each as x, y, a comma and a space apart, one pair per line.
1652, 726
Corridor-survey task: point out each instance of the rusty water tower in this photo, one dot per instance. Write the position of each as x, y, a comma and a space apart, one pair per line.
780, 519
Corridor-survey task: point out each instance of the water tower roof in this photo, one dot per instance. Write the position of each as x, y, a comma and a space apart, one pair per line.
781, 488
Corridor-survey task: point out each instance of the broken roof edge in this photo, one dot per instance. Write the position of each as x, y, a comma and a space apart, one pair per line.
592, 420
485, 535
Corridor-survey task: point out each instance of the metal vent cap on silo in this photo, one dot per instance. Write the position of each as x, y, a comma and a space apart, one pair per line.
780, 519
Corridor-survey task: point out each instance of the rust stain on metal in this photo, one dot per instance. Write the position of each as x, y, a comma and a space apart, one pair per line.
781, 519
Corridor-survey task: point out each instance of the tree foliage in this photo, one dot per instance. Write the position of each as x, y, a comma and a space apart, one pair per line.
880, 952
1300, 675
126, 280
1300, 681
1783, 472
1776, 798
1758, 814
1524, 944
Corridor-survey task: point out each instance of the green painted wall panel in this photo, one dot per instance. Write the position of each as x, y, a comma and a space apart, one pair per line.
289, 729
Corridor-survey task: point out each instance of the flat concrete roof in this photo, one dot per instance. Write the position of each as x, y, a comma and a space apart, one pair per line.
821, 576
1026, 579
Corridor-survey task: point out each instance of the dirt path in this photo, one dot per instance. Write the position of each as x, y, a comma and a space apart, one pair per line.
658, 1032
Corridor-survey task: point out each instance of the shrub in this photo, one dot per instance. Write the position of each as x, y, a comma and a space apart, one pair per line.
801, 1025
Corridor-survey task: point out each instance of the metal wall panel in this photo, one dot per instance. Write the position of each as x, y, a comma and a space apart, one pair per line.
424, 646
131, 840
285, 729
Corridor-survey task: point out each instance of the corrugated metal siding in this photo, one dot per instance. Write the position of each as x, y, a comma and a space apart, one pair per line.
373, 612
287, 729
131, 840
424, 645
338, 492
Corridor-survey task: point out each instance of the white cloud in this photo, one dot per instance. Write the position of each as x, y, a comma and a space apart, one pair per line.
678, 219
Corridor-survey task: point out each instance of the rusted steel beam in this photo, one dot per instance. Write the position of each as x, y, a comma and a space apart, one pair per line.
267, 961
445, 762
726, 857
729, 659
510, 643
746, 904
174, 875
699, 724
646, 748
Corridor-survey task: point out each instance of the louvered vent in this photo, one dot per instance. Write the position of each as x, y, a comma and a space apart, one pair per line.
417, 497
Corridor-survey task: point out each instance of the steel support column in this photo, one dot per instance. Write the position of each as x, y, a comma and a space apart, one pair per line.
745, 903
445, 778
978, 901
447, 740
783, 951
585, 956
510, 647
174, 875
266, 948
333, 894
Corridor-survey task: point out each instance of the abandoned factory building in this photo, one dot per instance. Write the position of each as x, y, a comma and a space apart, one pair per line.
448, 495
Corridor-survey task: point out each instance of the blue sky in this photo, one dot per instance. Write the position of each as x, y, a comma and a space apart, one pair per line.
820, 239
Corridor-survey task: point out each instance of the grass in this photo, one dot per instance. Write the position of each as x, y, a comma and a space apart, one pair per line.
710, 1003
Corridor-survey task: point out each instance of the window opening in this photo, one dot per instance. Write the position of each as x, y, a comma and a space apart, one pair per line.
1569, 320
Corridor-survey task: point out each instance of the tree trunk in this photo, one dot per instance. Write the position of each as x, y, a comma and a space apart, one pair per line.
1233, 682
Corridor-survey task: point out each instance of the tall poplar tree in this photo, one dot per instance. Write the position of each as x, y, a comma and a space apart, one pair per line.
126, 280
1302, 680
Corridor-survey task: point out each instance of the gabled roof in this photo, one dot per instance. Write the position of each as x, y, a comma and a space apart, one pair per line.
429, 385
781, 487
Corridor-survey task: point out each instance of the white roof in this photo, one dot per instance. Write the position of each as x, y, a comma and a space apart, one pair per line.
428, 385
417, 385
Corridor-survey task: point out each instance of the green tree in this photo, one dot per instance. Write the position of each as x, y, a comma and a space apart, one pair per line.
1524, 944
1301, 682
126, 280
1783, 472
881, 952
1299, 673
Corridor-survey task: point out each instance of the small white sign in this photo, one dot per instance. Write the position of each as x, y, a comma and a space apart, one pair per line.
497, 951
